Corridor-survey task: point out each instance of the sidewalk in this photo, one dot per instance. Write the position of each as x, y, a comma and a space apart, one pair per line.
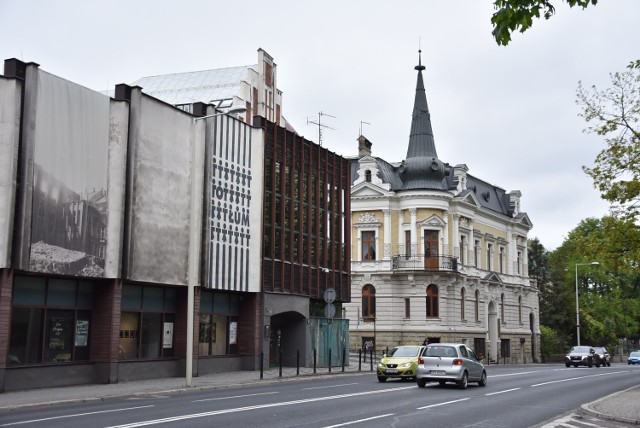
622, 406
97, 392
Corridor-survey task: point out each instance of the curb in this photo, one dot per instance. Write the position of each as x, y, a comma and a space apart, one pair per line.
586, 409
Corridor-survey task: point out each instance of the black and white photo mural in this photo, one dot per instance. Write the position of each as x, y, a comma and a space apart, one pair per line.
70, 154
234, 211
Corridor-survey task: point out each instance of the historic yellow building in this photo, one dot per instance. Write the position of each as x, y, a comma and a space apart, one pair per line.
438, 254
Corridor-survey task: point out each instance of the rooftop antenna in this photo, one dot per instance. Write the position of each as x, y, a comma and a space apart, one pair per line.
361, 123
320, 125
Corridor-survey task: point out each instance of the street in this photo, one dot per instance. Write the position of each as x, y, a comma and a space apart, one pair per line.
515, 396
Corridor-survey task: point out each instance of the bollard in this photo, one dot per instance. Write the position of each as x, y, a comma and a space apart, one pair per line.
344, 353
329, 360
298, 362
280, 360
359, 360
315, 359
370, 359
261, 365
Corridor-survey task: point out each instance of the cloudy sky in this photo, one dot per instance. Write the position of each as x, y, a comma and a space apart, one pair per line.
508, 113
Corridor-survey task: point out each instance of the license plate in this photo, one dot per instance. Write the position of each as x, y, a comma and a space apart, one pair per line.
392, 371
438, 372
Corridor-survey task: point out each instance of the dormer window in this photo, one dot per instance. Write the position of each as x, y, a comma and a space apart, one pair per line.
367, 176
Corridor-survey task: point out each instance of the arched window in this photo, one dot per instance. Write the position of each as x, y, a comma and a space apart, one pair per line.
520, 309
477, 305
367, 176
502, 307
368, 302
432, 301
462, 297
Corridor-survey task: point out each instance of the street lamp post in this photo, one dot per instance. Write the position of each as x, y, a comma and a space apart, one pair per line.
577, 302
194, 239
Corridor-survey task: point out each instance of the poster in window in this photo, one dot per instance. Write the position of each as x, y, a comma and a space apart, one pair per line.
233, 333
57, 333
167, 341
82, 332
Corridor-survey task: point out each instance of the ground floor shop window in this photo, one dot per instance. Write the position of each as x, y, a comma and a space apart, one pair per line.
218, 323
147, 322
50, 320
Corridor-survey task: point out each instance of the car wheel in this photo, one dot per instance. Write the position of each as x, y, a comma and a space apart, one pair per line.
382, 378
464, 382
598, 365
483, 379
575, 365
422, 383
589, 364
608, 364
567, 364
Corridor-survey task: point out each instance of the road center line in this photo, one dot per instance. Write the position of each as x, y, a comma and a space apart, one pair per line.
235, 396
360, 420
501, 392
573, 378
259, 406
331, 386
75, 415
442, 404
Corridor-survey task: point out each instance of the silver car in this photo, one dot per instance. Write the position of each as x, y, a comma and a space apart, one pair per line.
450, 362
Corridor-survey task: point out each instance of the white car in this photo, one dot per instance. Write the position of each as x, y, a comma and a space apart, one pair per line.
450, 362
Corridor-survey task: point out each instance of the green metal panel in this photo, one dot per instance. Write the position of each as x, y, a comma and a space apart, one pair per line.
327, 334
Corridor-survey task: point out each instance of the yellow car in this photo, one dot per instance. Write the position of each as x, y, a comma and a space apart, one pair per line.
401, 362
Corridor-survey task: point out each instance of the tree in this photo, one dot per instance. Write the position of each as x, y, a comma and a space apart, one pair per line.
512, 15
614, 114
608, 293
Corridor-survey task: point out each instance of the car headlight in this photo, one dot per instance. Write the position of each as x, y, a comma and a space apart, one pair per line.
405, 365
381, 365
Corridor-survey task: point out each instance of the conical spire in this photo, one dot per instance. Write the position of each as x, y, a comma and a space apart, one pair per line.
422, 169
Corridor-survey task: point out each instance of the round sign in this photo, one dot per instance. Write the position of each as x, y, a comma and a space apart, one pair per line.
330, 295
329, 310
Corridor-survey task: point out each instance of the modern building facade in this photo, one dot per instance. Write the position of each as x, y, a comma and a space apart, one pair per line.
114, 209
439, 254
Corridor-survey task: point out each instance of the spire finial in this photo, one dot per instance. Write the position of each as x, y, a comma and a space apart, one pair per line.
419, 67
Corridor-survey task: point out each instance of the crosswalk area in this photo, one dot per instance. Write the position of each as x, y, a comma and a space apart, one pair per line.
580, 420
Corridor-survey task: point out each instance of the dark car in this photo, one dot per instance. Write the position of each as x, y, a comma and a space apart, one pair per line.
602, 357
580, 356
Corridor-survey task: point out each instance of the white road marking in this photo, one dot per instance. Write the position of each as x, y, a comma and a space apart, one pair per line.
235, 396
259, 406
442, 404
76, 415
360, 421
514, 374
331, 386
572, 378
502, 392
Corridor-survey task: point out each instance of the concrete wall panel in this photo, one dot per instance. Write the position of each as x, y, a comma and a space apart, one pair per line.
10, 104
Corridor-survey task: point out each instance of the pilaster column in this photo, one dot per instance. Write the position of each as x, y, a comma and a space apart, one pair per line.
414, 232
445, 238
457, 249
387, 234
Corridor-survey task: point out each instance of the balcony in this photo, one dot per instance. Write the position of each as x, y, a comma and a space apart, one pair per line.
425, 263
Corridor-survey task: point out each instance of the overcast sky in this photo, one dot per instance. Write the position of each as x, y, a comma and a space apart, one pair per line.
508, 113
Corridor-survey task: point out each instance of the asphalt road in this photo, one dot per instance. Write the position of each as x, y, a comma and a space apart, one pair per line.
514, 397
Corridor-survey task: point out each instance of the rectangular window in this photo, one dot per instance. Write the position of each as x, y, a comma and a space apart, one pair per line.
505, 348
476, 254
368, 239
147, 322
489, 256
50, 320
218, 323
462, 249
407, 244
407, 308
501, 259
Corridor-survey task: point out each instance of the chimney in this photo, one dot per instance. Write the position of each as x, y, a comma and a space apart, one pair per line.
364, 146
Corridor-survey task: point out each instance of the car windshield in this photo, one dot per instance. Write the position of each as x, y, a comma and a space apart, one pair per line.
584, 349
634, 354
405, 351
441, 351
600, 350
